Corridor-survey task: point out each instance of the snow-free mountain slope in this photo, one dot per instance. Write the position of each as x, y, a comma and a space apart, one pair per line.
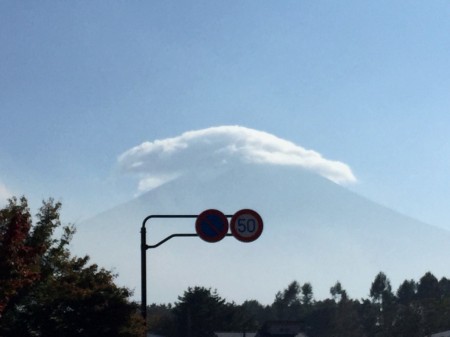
315, 231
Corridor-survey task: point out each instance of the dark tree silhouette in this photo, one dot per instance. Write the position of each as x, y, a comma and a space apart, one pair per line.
47, 292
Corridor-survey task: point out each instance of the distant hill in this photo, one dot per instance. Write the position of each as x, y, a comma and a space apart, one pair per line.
315, 231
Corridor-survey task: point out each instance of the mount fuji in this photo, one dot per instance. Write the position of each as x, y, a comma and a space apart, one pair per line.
315, 230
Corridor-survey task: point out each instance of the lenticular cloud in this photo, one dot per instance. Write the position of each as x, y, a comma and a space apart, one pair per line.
217, 148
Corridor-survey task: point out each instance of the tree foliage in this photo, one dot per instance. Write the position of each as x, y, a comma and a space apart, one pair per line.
45, 291
201, 311
416, 309
287, 303
18, 258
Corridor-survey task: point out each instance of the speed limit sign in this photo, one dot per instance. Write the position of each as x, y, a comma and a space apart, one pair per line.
246, 225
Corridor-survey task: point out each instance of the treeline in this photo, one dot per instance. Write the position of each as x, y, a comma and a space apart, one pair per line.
415, 309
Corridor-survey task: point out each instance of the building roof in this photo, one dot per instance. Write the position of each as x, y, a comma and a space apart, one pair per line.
235, 334
442, 334
280, 329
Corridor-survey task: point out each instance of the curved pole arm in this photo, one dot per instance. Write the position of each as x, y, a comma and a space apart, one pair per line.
144, 248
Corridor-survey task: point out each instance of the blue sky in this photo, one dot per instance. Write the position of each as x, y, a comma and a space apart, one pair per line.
365, 83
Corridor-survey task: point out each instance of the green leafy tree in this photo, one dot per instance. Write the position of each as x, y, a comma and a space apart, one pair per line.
307, 294
407, 321
347, 320
200, 312
287, 304
407, 317
381, 290
384, 300
369, 315
444, 304
161, 319
406, 293
429, 302
428, 287
18, 258
255, 313
338, 293
66, 295
444, 287
319, 321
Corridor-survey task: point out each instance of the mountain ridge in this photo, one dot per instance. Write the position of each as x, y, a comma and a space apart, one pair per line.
315, 231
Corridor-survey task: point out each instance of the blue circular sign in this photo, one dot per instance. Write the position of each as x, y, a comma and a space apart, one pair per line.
211, 225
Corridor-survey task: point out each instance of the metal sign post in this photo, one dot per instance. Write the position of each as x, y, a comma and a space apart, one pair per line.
211, 226
144, 248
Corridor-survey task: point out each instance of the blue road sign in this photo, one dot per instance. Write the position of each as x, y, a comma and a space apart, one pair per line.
211, 225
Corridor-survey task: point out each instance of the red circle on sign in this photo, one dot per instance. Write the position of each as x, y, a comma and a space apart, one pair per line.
211, 225
246, 225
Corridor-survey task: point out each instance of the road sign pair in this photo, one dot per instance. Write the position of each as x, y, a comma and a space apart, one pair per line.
212, 225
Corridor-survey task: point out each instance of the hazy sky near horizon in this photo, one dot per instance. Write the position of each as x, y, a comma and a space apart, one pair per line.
365, 83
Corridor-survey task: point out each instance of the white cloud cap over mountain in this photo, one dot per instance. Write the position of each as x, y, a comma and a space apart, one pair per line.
314, 230
217, 148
